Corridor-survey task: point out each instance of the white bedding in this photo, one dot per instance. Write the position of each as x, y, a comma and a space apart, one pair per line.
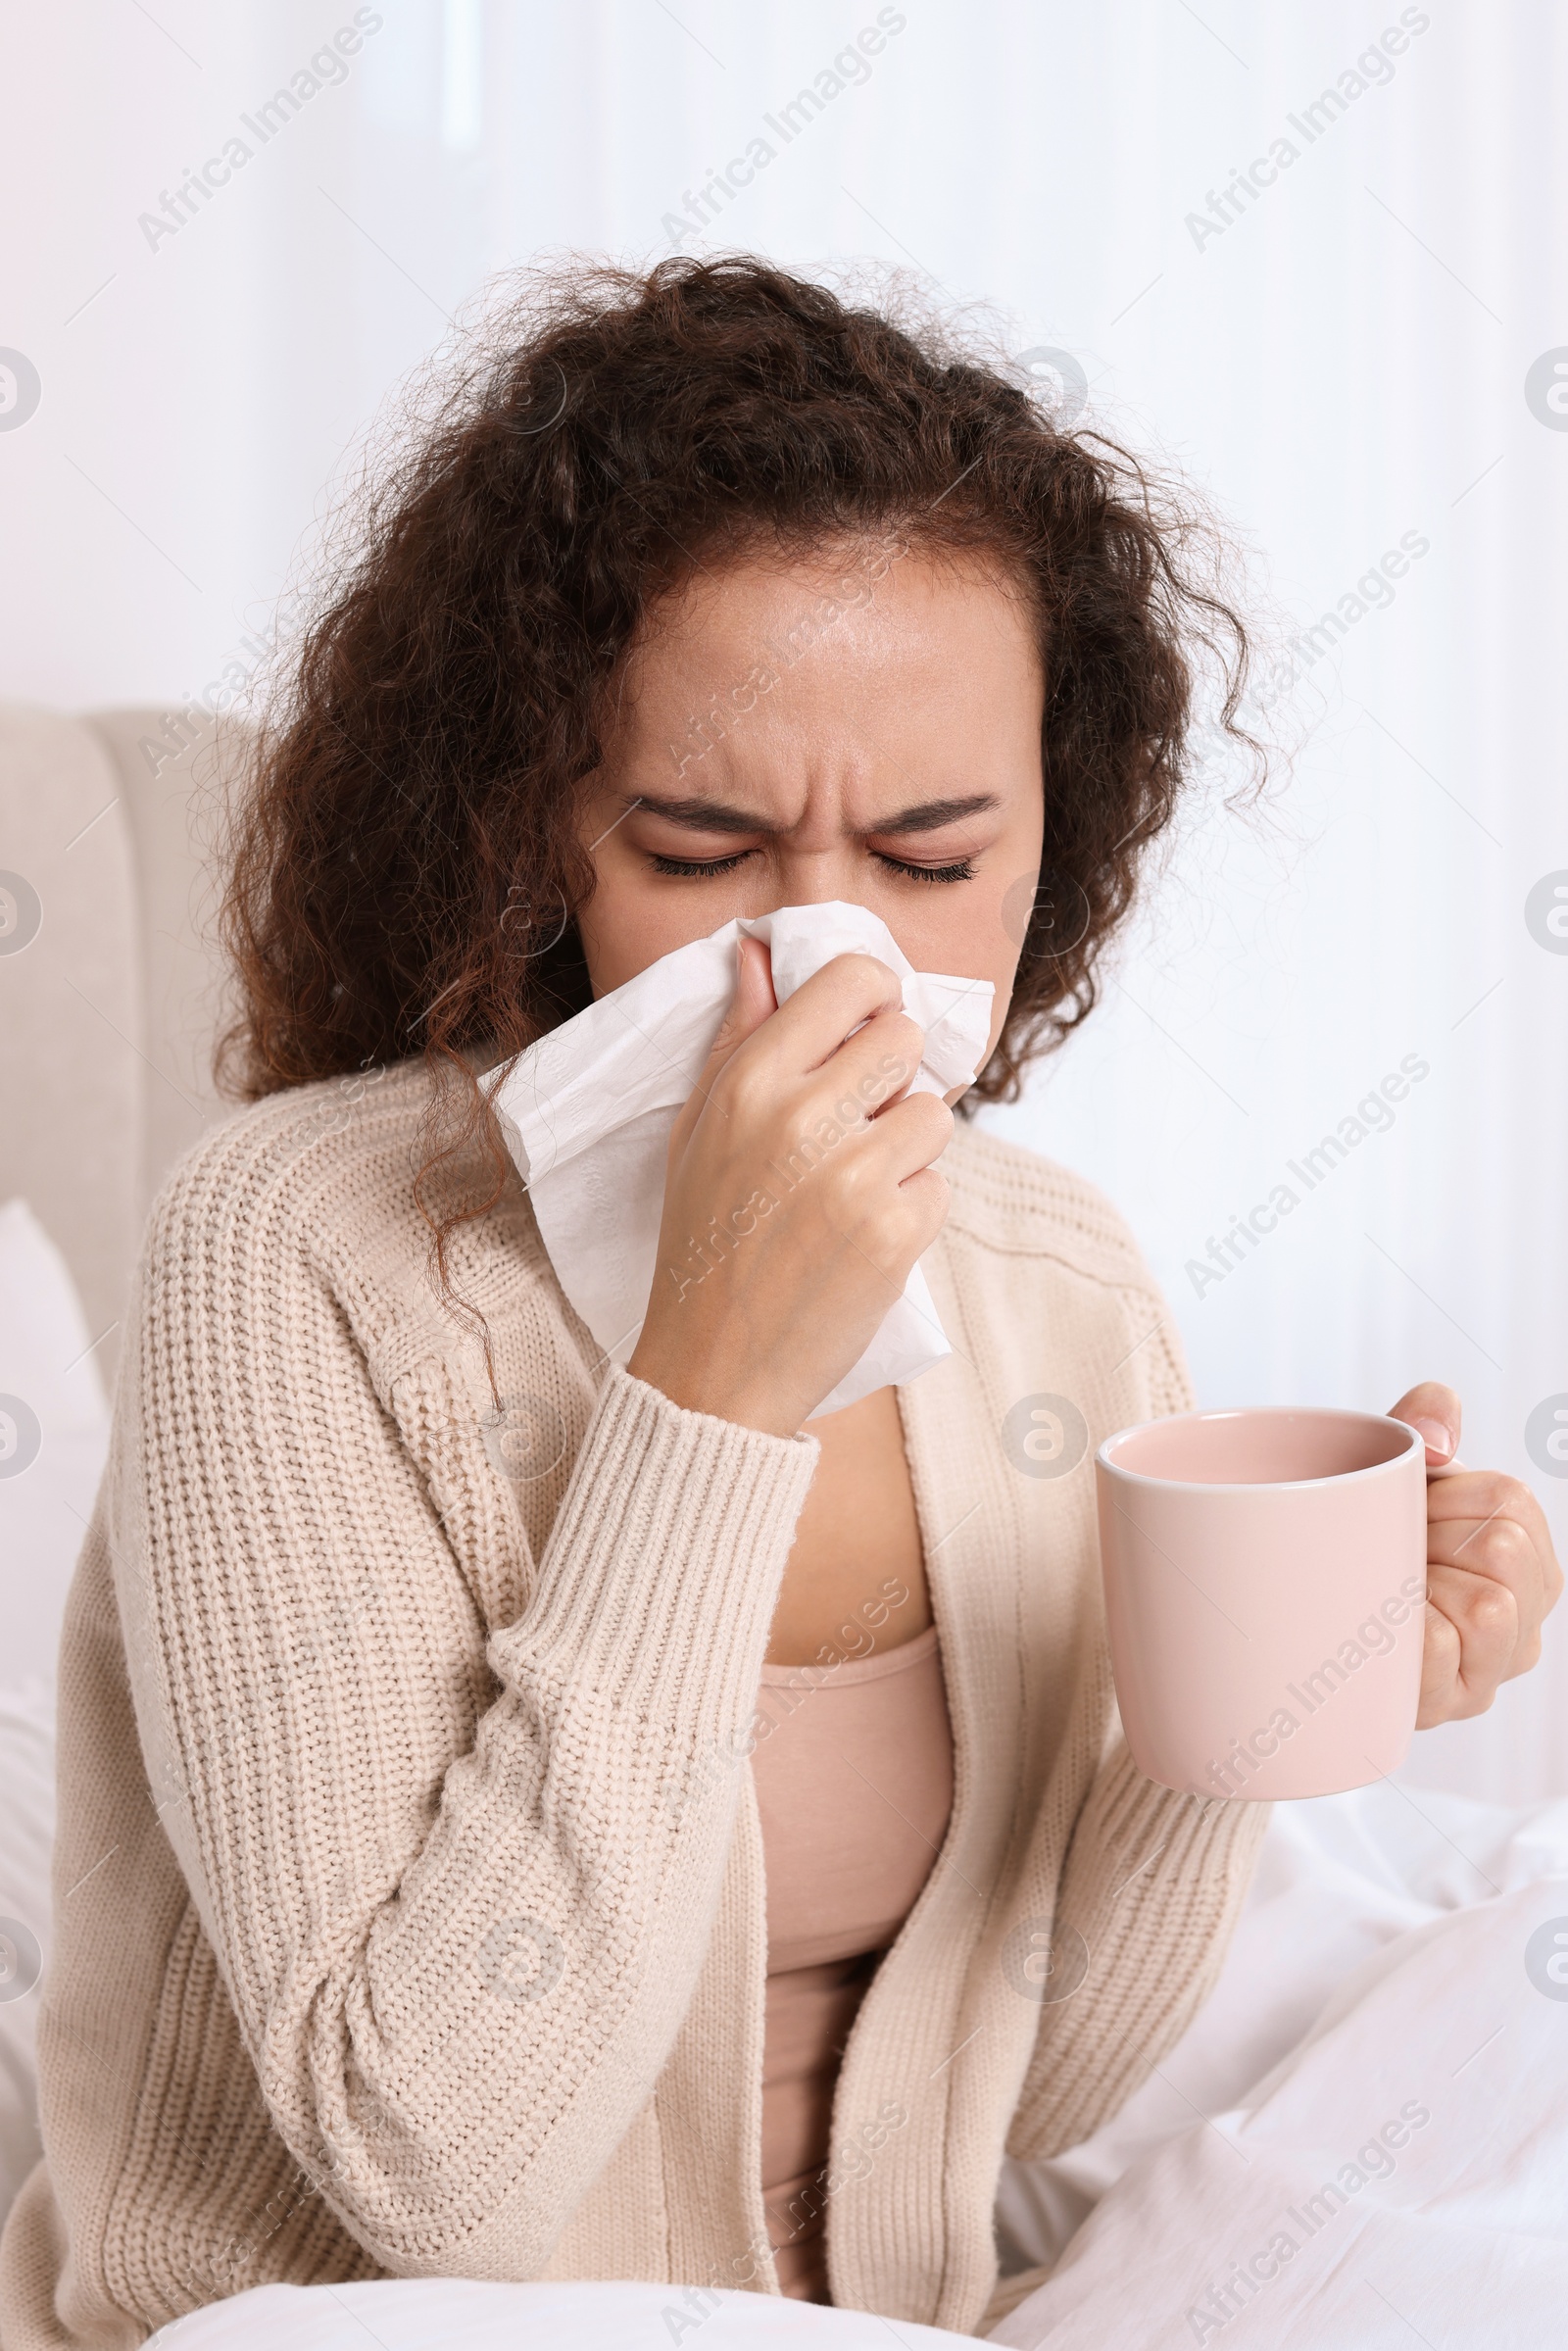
437, 2315
1434, 2050
1339, 1879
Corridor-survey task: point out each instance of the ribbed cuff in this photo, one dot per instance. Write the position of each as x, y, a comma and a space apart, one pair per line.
662, 1574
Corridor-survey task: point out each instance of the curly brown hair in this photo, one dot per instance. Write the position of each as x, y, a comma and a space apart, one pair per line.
405, 865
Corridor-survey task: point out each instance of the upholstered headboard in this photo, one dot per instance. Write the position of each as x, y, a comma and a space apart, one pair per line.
110, 983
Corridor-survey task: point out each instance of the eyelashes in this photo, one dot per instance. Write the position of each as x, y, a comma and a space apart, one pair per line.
707, 868
962, 872
696, 869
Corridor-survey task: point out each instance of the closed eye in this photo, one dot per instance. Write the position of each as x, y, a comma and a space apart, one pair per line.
707, 868
699, 869
962, 872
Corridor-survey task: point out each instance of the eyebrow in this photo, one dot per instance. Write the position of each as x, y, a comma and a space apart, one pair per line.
718, 817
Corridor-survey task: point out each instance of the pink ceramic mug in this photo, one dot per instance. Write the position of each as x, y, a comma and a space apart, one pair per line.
1265, 1573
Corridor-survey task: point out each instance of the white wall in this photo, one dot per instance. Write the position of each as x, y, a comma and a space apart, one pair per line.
1342, 365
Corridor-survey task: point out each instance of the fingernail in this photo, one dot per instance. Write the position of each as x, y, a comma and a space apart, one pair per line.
1438, 1440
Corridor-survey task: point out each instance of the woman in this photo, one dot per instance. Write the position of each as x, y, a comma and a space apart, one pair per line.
418, 1909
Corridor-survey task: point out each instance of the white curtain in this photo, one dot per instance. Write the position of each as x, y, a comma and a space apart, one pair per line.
1347, 346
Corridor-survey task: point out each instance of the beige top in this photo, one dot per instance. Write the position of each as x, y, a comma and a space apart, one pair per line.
409, 1896
854, 1777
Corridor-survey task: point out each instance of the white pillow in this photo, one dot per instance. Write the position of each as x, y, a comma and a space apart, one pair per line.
27, 1828
54, 1433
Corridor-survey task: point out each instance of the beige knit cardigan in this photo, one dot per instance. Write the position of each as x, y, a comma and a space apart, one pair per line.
408, 1884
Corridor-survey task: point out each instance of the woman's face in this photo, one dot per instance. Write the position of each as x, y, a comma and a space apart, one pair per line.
863, 725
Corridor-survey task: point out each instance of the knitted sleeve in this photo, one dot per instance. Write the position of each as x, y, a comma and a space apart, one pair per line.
1150, 1894
1153, 1886
458, 1956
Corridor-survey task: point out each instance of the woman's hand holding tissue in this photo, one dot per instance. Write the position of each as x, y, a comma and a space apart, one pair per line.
800, 1193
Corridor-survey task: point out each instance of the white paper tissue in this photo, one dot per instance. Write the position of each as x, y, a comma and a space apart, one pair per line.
587, 1113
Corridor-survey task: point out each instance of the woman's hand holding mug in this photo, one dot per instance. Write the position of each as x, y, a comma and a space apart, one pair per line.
799, 1192
1492, 1572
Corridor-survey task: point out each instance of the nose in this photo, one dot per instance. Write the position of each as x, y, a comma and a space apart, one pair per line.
815, 880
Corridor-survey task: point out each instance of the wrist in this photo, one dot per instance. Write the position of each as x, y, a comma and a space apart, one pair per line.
721, 1394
